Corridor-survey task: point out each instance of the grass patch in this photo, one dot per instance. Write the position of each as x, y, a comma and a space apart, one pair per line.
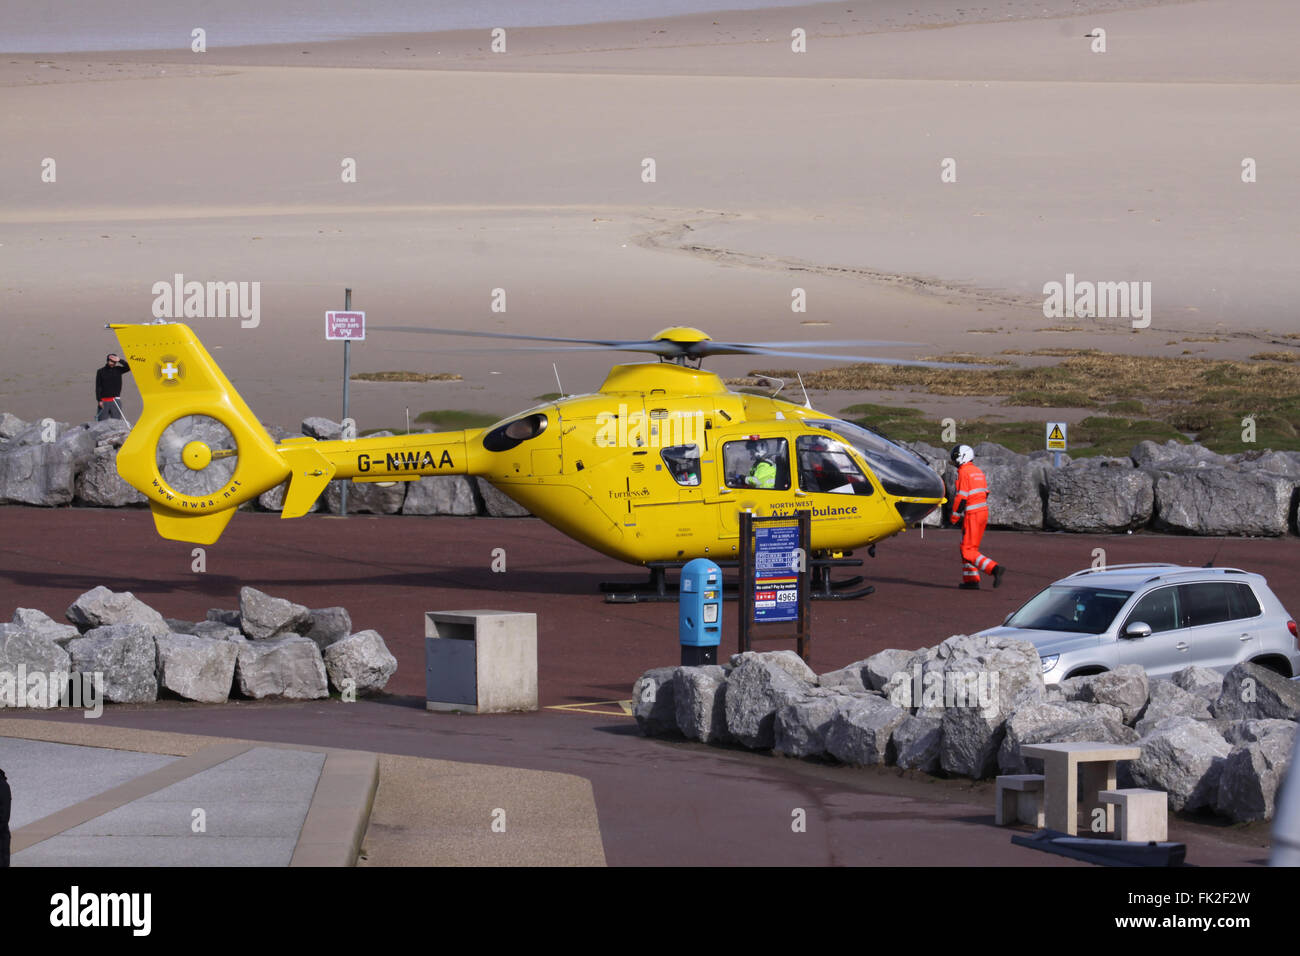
1276, 357
1040, 399
1127, 407
967, 358
405, 377
547, 397
455, 418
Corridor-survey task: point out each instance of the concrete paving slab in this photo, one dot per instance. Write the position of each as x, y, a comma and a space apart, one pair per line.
158, 828
155, 851
265, 804
46, 777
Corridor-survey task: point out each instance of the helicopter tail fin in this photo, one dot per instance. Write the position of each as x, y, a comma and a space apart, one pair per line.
197, 451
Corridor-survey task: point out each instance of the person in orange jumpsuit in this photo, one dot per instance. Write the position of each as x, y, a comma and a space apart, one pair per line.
970, 505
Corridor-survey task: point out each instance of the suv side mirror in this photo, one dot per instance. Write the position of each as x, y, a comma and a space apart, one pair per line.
1137, 629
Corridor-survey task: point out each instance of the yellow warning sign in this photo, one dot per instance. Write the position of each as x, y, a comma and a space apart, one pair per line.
1056, 436
607, 708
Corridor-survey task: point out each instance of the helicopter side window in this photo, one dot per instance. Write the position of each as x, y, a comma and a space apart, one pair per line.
757, 463
507, 436
826, 467
683, 463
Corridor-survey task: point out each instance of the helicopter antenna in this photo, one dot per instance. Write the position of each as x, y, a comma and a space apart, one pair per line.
780, 384
557, 379
807, 402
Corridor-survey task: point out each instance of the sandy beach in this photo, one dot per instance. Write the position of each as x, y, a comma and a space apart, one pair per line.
774, 170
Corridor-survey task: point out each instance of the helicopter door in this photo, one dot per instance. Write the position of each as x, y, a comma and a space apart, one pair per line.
753, 475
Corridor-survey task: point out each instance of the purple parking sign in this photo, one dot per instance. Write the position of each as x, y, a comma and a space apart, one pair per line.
349, 326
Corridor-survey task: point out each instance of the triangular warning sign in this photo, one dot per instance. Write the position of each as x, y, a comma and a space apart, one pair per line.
1056, 434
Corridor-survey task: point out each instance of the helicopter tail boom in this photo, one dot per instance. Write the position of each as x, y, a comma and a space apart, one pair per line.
198, 452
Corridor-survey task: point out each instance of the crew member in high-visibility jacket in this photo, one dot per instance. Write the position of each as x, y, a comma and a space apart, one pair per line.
970, 505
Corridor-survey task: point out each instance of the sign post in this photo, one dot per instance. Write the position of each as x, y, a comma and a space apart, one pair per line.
346, 325
774, 579
1057, 440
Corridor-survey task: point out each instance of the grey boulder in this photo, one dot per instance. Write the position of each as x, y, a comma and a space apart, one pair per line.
326, 625
699, 701
1223, 501
756, 689
99, 607
44, 473
1183, 757
38, 622
126, 655
445, 495
322, 429
800, 728
653, 704
360, 663
366, 497
1126, 687
1254, 770
262, 617
918, 743
1170, 700
24, 653
498, 504
196, 668
1251, 691
1201, 681
99, 485
861, 729
1015, 495
281, 667
1098, 498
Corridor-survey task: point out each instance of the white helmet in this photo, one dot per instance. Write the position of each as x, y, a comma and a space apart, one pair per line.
961, 454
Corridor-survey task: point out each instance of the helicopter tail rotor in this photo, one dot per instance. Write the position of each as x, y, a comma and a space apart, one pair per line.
197, 451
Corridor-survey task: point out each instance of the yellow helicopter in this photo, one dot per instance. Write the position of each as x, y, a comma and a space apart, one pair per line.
653, 468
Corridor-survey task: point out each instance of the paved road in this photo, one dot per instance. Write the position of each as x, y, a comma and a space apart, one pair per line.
388, 570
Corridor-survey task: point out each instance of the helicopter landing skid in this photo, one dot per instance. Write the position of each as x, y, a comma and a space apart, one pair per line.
659, 588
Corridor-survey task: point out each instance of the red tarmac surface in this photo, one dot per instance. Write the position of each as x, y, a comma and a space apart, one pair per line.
659, 802
387, 571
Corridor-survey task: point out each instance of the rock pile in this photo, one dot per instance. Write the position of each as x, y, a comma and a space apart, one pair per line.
269, 647
965, 708
1177, 488
54, 463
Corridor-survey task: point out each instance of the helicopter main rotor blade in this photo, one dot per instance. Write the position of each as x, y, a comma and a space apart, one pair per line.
636, 345
823, 344
860, 359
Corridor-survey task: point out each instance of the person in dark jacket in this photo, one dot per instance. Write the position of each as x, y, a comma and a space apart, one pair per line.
6, 800
108, 388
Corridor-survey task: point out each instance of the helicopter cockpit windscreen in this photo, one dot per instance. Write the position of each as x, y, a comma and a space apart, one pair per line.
901, 471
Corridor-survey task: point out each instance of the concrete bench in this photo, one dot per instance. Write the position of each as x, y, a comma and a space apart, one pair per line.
1019, 799
1140, 815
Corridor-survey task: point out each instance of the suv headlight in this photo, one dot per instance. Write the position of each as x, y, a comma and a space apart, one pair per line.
1049, 661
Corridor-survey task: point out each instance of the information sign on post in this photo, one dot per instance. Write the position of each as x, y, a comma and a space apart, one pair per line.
774, 580
1057, 440
345, 326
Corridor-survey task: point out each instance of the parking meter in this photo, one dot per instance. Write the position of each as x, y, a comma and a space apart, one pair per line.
699, 612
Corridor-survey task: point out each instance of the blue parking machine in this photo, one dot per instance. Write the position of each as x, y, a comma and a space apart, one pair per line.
699, 612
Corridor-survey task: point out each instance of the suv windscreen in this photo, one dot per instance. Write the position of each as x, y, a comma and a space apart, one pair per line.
1070, 608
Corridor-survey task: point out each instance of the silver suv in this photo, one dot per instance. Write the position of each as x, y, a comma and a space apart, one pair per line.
1162, 616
